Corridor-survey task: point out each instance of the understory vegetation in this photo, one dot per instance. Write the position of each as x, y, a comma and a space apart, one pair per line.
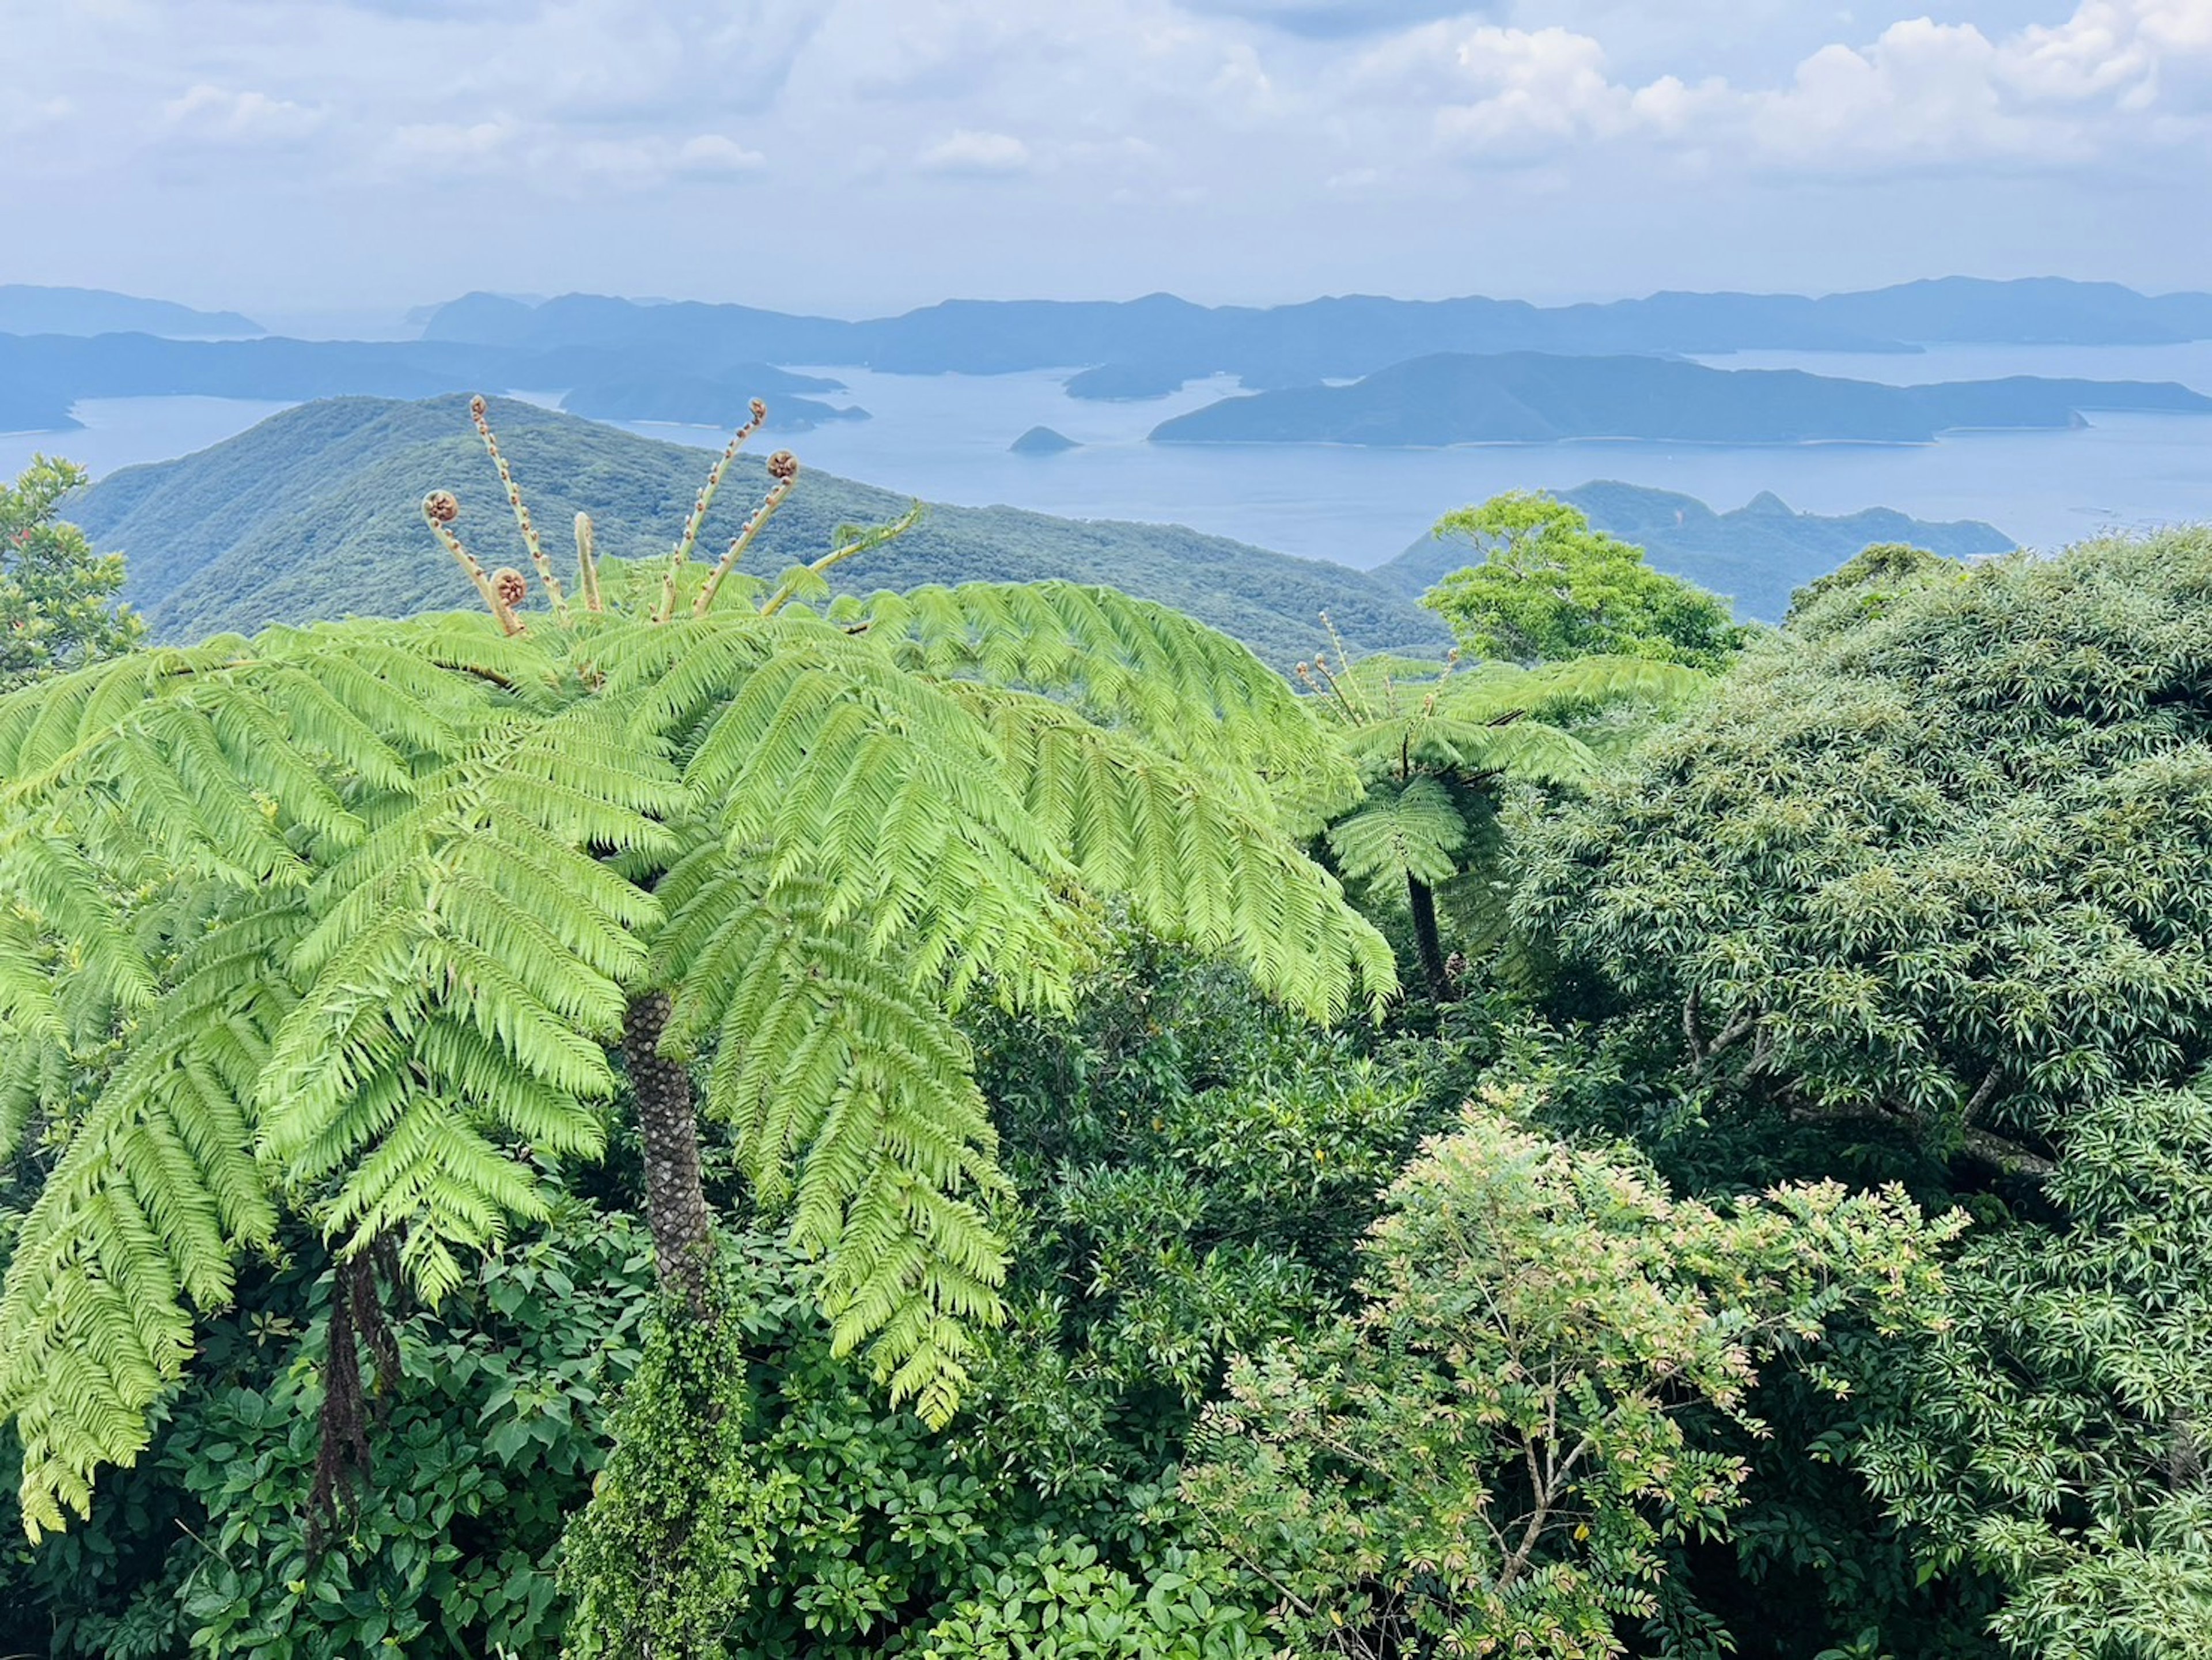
683, 1114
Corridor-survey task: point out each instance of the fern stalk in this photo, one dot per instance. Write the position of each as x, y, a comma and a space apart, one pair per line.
544, 566
439, 509
680, 554
783, 470
587, 566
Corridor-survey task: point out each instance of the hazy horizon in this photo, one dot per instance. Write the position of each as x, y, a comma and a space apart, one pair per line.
362, 157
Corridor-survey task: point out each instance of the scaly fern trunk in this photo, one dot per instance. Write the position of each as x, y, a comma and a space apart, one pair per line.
675, 1198
1421, 900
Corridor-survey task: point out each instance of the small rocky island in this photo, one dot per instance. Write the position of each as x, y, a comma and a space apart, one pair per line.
1043, 440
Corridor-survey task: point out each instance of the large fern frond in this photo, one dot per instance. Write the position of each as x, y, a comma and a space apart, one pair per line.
467, 965
1189, 691
1192, 862
1411, 831
855, 1106
153, 1197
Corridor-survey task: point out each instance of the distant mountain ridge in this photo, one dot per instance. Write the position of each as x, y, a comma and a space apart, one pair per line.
1756, 554
690, 361
27, 308
1534, 397
316, 512
1147, 347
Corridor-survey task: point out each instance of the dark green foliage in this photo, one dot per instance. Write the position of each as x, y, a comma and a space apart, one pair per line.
1937, 869
312, 514
1923, 887
2057, 1435
1866, 584
486, 1443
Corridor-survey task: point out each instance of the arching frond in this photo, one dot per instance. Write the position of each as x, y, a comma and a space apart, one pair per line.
1193, 863
466, 967
1415, 832
152, 1199
855, 1107
1189, 691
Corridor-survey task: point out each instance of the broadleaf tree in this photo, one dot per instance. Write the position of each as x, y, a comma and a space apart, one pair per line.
350, 923
1547, 587
60, 603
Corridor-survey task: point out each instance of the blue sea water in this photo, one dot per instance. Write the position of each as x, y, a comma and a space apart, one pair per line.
945, 437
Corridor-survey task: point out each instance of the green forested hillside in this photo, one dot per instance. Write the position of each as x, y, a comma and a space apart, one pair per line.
317, 512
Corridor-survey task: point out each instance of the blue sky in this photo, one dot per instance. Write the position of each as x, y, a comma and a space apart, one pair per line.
297, 156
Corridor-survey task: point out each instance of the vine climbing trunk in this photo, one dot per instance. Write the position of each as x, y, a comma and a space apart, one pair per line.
675, 1197
1421, 900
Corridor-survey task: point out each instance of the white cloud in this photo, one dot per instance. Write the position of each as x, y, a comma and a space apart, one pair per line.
968, 151
714, 156
219, 115
655, 160
1922, 95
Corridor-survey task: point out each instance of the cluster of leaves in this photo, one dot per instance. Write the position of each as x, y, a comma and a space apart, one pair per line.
488, 1440
1548, 589
60, 605
1490, 1455
1922, 888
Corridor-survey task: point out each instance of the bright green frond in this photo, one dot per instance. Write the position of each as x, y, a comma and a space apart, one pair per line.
1416, 831
153, 1198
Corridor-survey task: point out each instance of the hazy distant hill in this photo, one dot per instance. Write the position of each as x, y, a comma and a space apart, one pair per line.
1756, 554
25, 309
316, 512
41, 376
689, 362
1532, 398
1145, 347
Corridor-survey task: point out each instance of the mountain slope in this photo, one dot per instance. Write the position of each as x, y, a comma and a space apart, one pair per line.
1534, 397
1755, 554
315, 513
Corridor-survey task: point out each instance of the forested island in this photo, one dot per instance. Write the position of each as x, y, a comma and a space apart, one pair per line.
706, 1083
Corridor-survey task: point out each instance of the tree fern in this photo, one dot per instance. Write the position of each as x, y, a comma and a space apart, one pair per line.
442, 869
1429, 741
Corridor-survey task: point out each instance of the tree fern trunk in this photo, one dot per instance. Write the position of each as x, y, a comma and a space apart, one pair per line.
1421, 899
675, 1199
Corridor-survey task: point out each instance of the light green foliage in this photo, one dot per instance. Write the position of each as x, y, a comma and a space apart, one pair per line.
370, 899
1491, 1455
59, 604
1866, 584
1057, 1601
2057, 1432
1547, 587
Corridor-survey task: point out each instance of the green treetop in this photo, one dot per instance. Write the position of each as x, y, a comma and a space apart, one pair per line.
1548, 588
58, 598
